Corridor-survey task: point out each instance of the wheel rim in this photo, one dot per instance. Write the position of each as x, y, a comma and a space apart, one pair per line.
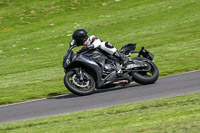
148, 73
84, 85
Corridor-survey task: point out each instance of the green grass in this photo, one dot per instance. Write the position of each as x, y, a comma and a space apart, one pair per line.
178, 114
34, 36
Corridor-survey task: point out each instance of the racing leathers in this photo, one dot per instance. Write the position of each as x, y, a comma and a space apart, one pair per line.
94, 42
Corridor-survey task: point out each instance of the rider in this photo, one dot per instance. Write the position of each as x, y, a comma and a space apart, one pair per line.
80, 37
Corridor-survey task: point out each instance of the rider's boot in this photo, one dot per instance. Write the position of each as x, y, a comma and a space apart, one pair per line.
124, 60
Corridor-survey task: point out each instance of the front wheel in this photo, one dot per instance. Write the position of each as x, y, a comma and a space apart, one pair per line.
146, 77
77, 86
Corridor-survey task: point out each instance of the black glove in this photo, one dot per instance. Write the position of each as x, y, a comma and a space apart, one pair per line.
84, 48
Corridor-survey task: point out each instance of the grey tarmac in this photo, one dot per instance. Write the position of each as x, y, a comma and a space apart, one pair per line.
186, 83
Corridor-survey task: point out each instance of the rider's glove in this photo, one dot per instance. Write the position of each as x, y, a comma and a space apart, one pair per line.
84, 48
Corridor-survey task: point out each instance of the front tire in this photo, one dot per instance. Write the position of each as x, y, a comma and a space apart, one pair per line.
77, 87
148, 77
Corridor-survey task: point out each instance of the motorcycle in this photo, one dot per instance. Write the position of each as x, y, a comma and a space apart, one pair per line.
95, 69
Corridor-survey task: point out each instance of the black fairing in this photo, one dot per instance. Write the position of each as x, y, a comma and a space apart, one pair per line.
97, 56
128, 48
68, 58
92, 61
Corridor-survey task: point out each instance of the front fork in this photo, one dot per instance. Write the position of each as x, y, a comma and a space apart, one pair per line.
79, 73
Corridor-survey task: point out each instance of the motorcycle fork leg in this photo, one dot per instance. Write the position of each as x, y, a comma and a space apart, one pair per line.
79, 73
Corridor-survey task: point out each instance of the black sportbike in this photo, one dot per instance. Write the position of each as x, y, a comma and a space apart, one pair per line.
95, 69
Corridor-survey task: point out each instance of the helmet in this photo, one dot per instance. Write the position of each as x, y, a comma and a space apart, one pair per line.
80, 35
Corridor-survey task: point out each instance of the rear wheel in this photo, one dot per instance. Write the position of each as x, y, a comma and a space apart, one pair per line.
77, 86
146, 77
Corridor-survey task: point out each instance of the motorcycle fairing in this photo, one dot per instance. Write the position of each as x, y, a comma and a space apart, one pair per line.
128, 48
67, 58
90, 65
98, 57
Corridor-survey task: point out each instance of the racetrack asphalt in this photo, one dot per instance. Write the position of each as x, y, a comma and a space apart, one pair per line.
186, 83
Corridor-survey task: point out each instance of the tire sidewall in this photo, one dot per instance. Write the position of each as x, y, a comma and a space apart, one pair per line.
143, 79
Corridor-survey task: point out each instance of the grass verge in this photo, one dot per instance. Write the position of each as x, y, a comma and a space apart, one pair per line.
178, 114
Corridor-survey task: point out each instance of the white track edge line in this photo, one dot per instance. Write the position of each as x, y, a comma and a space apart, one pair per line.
33, 100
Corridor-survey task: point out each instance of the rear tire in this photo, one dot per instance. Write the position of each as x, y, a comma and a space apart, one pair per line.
88, 84
149, 77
